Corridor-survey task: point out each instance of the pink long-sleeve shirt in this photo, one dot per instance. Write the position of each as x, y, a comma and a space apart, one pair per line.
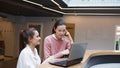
53, 46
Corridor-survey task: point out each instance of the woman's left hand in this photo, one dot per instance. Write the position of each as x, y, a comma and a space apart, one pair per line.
68, 36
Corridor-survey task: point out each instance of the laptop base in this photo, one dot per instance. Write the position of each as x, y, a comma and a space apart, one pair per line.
67, 63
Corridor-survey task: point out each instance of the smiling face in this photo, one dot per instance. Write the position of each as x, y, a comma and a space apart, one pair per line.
60, 31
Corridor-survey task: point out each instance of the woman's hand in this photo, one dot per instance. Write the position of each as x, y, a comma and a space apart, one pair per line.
49, 59
65, 52
68, 36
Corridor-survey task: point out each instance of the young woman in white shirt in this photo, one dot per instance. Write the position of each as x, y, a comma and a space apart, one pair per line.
29, 57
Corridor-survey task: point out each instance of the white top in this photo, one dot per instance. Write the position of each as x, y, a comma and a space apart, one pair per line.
27, 59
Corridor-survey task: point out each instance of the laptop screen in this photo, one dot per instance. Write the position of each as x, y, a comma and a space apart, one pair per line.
77, 51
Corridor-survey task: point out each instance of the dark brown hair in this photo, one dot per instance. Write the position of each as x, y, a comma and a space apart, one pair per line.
25, 35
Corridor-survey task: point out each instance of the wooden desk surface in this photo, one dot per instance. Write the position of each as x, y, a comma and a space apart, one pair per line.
88, 54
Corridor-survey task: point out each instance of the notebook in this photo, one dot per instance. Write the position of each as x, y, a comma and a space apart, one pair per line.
76, 55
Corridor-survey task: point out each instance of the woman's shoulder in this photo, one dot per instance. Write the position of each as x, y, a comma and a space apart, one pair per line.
25, 51
49, 36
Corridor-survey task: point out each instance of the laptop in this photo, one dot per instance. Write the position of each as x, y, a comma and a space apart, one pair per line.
76, 55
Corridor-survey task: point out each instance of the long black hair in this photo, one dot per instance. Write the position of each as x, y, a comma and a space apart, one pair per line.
57, 23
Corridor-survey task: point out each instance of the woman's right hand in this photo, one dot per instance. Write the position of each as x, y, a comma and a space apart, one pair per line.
49, 59
65, 52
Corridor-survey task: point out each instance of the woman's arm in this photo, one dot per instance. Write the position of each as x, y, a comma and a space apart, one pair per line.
47, 49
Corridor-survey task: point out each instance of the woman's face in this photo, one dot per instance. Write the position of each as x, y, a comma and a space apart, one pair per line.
36, 39
60, 31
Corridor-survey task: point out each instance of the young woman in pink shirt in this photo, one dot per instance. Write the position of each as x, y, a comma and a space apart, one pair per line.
58, 43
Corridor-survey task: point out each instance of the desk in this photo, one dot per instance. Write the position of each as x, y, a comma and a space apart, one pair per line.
88, 54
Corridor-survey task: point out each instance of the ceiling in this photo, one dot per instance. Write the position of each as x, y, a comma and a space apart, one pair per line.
51, 8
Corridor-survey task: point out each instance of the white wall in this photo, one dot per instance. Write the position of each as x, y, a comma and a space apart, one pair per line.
97, 31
